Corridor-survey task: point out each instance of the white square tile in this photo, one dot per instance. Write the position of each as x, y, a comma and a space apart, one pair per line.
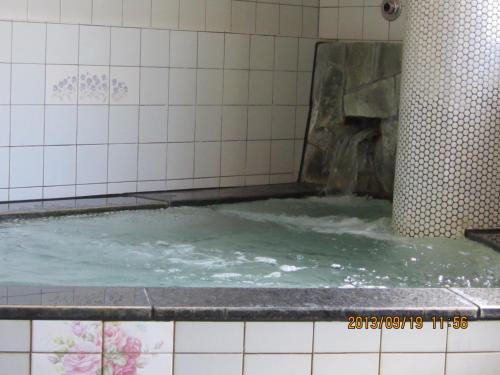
23, 194
123, 124
427, 339
192, 15
286, 53
233, 158
206, 183
125, 46
15, 363
92, 124
92, 164
181, 124
95, 45
412, 364
301, 120
154, 86
283, 125
208, 364
4, 125
209, 87
91, 189
182, 89
290, 20
50, 364
306, 54
279, 337
285, 88
165, 14
183, 49
60, 125
155, 50
122, 188
26, 125
26, 166
304, 80
218, 15
397, 28
55, 192
236, 87
237, 51
259, 122
262, 52
15, 336
350, 23
5, 41
481, 336
124, 88
208, 123
207, 159
59, 165
310, 22
210, 50
28, 42
261, 87
335, 337
137, 13
93, 86
143, 186
14, 9
212, 337
122, 163
61, 84
328, 23
62, 44
257, 180
4, 195
282, 156
44, 10
152, 161
352, 364
258, 157
5, 83
28, 84
279, 364
472, 363
375, 27
76, 11
180, 161
180, 184
107, 12
243, 15
153, 124
268, 16
234, 123
232, 181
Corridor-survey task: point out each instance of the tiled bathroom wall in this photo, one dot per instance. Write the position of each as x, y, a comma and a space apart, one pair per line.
113, 96
249, 348
359, 20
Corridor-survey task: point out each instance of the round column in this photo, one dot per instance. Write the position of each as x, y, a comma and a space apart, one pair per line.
448, 162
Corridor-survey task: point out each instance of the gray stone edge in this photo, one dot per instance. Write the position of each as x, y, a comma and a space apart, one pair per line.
152, 312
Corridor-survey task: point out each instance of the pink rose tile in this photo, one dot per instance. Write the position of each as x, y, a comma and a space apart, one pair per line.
67, 336
137, 364
66, 364
138, 337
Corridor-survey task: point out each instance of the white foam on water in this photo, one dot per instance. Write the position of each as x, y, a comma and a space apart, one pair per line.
287, 268
265, 260
227, 275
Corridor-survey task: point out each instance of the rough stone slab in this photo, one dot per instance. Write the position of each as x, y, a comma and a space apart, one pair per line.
376, 100
304, 304
488, 300
79, 303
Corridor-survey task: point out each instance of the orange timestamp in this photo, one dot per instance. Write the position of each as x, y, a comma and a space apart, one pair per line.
402, 322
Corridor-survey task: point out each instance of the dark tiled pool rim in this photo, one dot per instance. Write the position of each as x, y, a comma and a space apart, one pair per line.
241, 304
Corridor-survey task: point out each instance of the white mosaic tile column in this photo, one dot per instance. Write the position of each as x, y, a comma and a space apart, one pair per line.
448, 167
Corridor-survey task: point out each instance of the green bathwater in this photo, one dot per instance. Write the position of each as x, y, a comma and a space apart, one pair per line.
314, 242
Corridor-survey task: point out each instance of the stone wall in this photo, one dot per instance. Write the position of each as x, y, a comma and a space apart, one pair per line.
352, 134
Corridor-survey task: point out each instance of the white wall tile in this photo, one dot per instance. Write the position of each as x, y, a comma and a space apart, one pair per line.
208, 364
279, 337
375, 27
93, 84
180, 161
43, 364
181, 124
27, 125
283, 122
62, 44
94, 45
218, 15
282, 156
352, 364
23, 194
53, 192
4, 125
123, 124
306, 54
44, 10
76, 11
209, 87
211, 337
125, 46
310, 22
472, 363
26, 166
60, 124
165, 13
328, 23
208, 123
15, 363
5, 41
122, 163
262, 52
243, 17
192, 15
237, 51
259, 122
285, 88
235, 87
268, 19
15, 336
479, 336
5, 83
154, 86
92, 124
153, 124
151, 54
107, 12
28, 42
59, 165
427, 339
14, 9
258, 157
260, 87
61, 84
153, 161
287, 50
182, 90
137, 13
125, 85
350, 23
183, 49
210, 50
412, 364
92, 164
207, 159
280, 364
233, 158
234, 123
290, 20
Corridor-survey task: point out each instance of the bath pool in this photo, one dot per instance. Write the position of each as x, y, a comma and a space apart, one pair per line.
312, 242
